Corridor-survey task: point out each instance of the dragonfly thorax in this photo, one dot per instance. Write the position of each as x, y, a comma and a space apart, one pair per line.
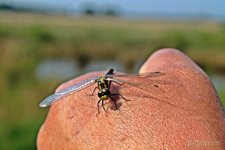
102, 83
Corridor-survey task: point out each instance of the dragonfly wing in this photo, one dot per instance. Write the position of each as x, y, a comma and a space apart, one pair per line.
143, 79
51, 99
145, 85
140, 75
78, 86
67, 91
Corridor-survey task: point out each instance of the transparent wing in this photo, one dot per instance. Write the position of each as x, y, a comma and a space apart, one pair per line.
150, 78
141, 85
67, 91
146, 85
140, 75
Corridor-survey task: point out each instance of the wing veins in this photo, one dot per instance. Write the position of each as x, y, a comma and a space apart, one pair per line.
67, 91
140, 75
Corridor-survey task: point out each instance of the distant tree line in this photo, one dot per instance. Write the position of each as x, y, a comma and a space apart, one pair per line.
13, 8
86, 9
107, 10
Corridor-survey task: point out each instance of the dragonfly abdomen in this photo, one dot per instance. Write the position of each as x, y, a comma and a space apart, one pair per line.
103, 93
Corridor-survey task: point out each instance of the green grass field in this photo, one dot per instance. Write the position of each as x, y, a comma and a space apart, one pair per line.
28, 39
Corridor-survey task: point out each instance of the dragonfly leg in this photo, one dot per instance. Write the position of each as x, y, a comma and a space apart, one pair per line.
114, 101
103, 106
98, 106
93, 92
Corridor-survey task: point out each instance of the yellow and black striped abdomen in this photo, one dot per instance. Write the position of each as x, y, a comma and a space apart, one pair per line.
104, 93
103, 86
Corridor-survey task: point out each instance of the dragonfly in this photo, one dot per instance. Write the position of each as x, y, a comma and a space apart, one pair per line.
103, 86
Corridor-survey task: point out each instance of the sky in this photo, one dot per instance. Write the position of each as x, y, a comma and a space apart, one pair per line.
212, 8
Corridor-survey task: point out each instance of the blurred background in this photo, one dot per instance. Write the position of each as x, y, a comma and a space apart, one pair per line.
44, 43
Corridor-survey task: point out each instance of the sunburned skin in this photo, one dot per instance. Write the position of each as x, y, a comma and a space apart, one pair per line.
183, 111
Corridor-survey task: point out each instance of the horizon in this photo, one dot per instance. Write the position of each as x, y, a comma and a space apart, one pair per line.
175, 9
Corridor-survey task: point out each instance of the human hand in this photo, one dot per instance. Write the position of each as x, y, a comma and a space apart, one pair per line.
198, 121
